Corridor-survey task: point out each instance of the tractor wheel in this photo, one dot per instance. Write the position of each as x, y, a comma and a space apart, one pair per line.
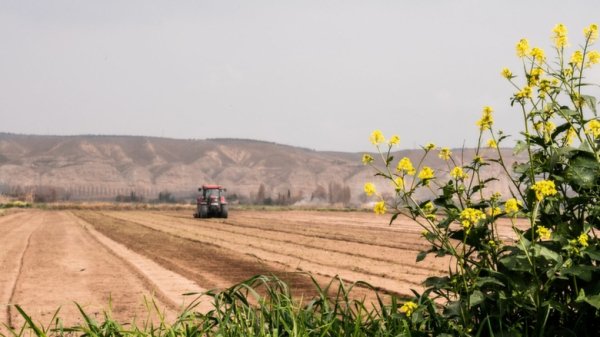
203, 213
224, 211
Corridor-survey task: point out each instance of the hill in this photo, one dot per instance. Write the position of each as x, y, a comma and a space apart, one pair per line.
103, 167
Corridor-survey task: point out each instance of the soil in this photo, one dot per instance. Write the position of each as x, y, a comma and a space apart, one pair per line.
51, 259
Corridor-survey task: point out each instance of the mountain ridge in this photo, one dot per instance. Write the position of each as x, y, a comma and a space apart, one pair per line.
102, 167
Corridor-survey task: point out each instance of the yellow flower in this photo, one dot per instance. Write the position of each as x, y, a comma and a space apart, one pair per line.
538, 54
458, 173
470, 216
524, 93
570, 136
428, 207
512, 205
593, 58
380, 207
494, 211
377, 137
593, 128
429, 146
406, 166
426, 174
487, 119
492, 144
534, 76
506, 73
591, 33
544, 188
408, 308
543, 233
398, 183
394, 140
583, 240
445, 153
522, 48
367, 159
560, 36
577, 58
370, 189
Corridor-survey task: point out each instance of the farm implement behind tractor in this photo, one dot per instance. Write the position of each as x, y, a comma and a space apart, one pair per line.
211, 202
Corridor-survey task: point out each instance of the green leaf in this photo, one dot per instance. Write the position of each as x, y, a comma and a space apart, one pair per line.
583, 171
580, 271
421, 256
481, 281
593, 300
476, 298
593, 254
590, 101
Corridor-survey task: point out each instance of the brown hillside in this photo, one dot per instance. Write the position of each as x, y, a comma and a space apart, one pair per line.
101, 167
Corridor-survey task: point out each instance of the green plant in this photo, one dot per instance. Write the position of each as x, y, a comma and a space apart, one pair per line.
544, 280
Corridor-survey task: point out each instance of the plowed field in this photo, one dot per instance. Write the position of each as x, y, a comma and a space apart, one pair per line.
51, 259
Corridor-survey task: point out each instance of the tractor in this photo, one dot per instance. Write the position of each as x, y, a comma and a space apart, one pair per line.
211, 202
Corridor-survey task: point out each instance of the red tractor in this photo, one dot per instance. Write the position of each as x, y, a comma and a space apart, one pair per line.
212, 202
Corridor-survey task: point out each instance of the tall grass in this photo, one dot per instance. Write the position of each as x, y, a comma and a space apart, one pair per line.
262, 306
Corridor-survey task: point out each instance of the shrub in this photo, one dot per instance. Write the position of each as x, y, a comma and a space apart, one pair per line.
544, 280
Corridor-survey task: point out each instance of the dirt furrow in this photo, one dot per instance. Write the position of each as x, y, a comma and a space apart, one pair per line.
287, 249
397, 282
213, 266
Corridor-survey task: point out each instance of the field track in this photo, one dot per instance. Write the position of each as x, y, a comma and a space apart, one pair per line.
51, 259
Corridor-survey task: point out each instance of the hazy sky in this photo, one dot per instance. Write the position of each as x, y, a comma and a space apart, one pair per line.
317, 74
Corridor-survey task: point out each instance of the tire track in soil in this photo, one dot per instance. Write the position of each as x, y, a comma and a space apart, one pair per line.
208, 265
15, 243
280, 249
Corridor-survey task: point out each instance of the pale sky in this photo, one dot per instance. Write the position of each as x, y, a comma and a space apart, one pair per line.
316, 74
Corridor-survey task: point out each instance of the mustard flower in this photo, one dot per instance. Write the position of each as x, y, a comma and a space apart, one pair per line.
534, 76
506, 73
370, 189
445, 153
377, 137
544, 188
524, 93
492, 144
380, 207
496, 196
429, 146
367, 159
408, 308
593, 58
406, 166
522, 48
591, 33
426, 174
487, 119
458, 173
428, 208
543, 232
494, 211
583, 240
512, 205
398, 183
394, 140
560, 36
593, 128
577, 58
470, 216
570, 136
538, 54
